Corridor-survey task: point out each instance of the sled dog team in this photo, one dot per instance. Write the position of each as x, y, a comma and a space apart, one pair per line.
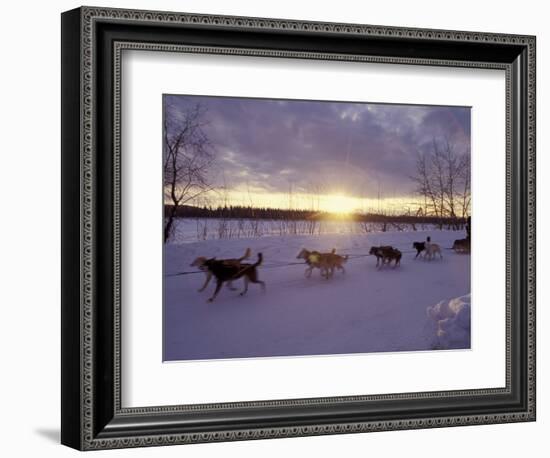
227, 270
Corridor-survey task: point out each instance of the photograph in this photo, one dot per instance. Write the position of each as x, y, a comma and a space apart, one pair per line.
314, 227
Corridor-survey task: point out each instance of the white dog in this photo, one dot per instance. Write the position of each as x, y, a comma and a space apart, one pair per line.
431, 250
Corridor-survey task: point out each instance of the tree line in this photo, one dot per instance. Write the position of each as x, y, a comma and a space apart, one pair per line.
255, 213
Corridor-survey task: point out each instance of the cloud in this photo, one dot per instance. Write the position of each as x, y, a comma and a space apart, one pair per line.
334, 146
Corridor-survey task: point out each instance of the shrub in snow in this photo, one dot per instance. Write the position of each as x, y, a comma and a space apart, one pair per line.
452, 323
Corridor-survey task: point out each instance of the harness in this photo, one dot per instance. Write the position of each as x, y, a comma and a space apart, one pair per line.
313, 258
241, 271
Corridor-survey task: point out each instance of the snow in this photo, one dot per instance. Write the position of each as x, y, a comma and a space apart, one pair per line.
364, 310
452, 323
198, 229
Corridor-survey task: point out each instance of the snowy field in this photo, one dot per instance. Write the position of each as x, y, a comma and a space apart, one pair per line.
420, 305
202, 229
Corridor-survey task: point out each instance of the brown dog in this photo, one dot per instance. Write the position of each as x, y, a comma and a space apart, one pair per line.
199, 263
226, 273
315, 260
325, 262
461, 245
336, 261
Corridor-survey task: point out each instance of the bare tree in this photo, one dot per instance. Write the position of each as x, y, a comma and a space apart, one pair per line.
442, 179
424, 184
188, 156
465, 177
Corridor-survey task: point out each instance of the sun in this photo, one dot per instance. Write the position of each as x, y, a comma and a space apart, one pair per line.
339, 204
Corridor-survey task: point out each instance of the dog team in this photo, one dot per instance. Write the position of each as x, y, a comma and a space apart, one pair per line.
227, 270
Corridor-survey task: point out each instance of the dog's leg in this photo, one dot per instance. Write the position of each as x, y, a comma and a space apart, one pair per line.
245, 286
254, 279
208, 277
262, 284
308, 271
216, 291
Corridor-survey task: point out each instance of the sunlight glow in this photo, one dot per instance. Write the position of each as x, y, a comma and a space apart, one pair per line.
336, 203
339, 204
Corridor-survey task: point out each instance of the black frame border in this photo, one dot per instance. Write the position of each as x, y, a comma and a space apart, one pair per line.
92, 40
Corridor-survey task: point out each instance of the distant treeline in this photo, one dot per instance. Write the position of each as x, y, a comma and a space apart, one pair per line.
241, 212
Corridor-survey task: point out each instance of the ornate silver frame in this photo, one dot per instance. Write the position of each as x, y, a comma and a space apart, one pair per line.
93, 417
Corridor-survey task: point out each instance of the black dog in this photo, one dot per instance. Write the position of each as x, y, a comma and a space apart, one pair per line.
386, 254
420, 247
227, 272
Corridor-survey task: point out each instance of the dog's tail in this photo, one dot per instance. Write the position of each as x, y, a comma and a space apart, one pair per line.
260, 259
248, 267
246, 255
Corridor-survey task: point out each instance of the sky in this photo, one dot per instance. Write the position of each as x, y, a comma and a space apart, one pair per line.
319, 154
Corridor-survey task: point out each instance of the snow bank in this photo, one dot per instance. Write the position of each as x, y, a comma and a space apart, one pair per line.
452, 323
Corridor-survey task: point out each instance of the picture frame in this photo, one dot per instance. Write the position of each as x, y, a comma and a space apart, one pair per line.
92, 414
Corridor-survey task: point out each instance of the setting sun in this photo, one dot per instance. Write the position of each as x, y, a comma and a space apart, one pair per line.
338, 203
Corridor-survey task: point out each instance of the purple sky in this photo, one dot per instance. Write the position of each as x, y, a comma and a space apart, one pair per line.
350, 148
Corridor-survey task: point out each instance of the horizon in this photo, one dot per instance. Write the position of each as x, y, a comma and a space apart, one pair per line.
221, 206
308, 213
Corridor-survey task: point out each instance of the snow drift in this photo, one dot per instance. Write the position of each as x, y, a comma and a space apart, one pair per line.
452, 323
